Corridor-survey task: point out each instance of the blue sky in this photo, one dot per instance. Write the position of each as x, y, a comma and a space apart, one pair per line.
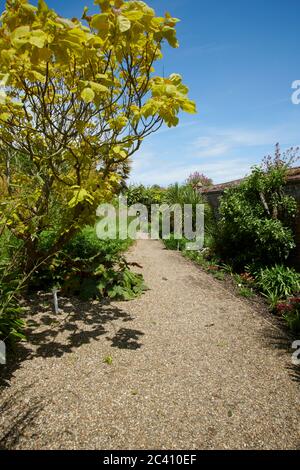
239, 59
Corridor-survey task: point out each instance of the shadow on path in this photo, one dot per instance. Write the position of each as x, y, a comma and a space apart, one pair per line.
281, 340
78, 323
17, 418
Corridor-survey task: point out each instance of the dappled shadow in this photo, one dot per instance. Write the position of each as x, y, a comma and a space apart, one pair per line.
17, 417
14, 360
294, 373
126, 338
78, 323
281, 340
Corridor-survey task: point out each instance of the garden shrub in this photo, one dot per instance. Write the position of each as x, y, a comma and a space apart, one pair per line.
89, 267
186, 194
145, 195
256, 220
11, 322
279, 281
174, 245
290, 311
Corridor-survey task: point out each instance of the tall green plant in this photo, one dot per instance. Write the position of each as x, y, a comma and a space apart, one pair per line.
11, 283
186, 194
257, 217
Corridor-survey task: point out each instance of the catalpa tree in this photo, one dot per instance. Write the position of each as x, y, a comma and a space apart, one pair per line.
77, 99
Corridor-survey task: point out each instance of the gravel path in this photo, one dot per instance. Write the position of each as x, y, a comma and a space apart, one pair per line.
193, 367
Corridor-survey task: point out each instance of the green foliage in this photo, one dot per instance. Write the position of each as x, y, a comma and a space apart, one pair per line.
128, 286
78, 98
174, 245
290, 312
90, 268
278, 281
145, 195
256, 220
182, 194
11, 323
246, 292
292, 318
186, 194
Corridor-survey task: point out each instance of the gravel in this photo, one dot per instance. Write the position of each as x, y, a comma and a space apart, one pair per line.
186, 366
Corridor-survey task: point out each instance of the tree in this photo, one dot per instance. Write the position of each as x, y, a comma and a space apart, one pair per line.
77, 100
199, 180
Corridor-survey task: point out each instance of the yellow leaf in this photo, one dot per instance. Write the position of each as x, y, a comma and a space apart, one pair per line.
189, 107
123, 23
87, 95
38, 38
134, 15
98, 88
5, 116
100, 22
20, 32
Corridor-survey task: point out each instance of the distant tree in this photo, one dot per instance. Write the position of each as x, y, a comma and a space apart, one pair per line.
286, 159
199, 180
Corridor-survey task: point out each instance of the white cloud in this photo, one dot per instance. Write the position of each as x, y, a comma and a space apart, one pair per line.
149, 169
218, 142
223, 154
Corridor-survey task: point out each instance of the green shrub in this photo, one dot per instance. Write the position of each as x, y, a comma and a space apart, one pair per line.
278, 282
144, 195
11, 283
246, 292
185, 194
11, 323
292, 319
290, 311
89, 268
256, 220
173, 244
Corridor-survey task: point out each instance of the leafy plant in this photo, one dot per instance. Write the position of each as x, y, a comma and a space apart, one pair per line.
278, 282
290, 311
144, 195
246, 292
174, 244
185, 194
11, 323
90, 268
219, 274
256, 218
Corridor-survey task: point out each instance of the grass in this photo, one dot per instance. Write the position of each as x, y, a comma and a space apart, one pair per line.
246, 292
